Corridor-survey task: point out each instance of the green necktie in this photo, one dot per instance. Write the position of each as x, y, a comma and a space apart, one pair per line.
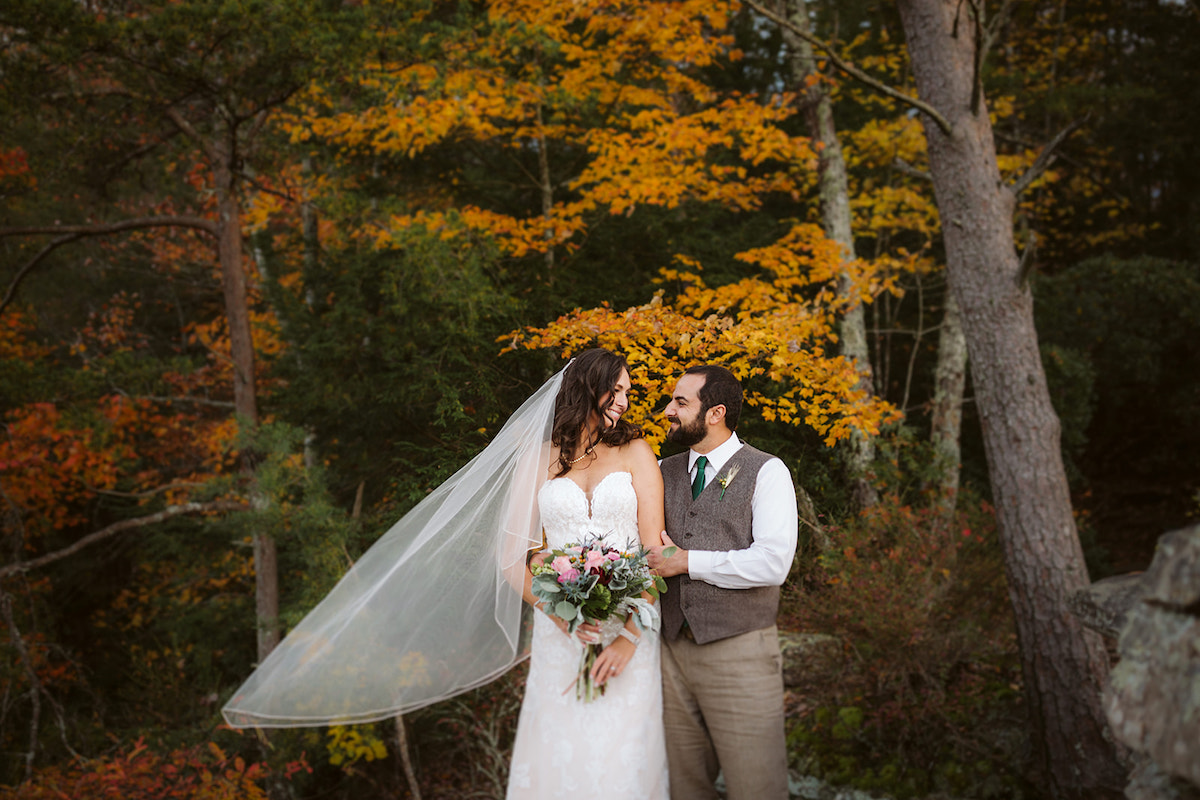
698, 484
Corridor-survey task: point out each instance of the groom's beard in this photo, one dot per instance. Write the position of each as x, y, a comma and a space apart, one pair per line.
687, 434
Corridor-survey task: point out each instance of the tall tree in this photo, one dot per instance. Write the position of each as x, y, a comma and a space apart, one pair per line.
1064, 665
834, 188
209, 72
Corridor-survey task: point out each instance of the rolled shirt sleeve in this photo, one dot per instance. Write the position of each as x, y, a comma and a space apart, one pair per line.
767, 561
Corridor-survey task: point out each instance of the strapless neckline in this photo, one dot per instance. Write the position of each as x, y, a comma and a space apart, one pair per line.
596, 488
571, 514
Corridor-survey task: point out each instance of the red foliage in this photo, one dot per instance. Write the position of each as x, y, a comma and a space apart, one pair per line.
194, 773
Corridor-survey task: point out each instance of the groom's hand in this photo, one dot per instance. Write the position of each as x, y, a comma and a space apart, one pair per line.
672, 562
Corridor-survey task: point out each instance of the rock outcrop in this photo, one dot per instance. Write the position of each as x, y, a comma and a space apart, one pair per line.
1153, 696
809, 657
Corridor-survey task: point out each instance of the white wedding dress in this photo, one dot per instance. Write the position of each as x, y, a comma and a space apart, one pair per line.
613, 746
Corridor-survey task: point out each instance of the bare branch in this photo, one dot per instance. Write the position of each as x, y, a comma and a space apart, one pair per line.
854, 71
203, 401
148, 493
1045, 158
71, 233
900, 165
993, 27
254, 182
33, 262
123, 525
139, 152
189, 131
35, 686
103, 229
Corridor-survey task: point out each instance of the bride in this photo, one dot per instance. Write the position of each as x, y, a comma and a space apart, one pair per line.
440, 604
604, 480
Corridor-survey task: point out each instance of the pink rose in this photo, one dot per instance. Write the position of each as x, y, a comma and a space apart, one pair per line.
561, 564
613, 555
594, 559
568, 576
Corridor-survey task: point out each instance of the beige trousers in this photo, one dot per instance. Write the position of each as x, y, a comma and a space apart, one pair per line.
723, 711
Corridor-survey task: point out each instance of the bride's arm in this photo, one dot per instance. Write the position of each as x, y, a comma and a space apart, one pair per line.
648, 485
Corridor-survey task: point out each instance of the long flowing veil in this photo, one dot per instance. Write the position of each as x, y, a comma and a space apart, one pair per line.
431, 610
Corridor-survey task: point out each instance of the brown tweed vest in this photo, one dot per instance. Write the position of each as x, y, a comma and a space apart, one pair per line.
714, 522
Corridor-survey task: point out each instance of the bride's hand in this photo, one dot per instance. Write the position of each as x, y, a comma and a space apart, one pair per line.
587, 633
612, 660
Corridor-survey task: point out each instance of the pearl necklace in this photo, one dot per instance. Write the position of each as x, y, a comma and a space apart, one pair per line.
586, 453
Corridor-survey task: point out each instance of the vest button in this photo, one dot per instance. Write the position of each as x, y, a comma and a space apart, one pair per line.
687, 535
691, 513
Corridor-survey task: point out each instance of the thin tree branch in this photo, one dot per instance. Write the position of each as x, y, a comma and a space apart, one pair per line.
255, 183
33, 262
993, 27
123, 525
148, 493
986, 32
203, 401
139, 152
35, 686
854, 71
214, 155
916, 345
71, 233
900, 165
103, 229
1045, 158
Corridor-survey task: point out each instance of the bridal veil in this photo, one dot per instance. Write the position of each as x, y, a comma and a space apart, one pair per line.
431, 610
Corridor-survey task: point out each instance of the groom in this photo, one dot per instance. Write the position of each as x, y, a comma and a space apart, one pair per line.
731, 511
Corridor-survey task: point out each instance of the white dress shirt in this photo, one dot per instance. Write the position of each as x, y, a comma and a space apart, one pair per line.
768, 559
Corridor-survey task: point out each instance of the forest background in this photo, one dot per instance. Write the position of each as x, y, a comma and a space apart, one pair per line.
272, 270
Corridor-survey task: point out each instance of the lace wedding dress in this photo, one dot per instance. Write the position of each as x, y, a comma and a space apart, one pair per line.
613, 746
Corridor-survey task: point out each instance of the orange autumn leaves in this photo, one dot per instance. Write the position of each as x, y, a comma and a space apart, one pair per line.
58, 458
616, 81
617, 85
775, 333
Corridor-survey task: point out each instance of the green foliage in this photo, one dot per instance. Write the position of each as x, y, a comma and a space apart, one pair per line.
316, 538
1119, 343
918, 598
394, 349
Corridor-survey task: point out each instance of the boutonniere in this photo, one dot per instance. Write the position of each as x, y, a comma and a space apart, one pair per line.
727, 479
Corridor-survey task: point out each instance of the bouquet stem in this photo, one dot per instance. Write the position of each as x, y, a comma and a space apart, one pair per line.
586, 689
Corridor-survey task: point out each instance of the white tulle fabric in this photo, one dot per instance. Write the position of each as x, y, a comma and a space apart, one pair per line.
432, 609
613, 746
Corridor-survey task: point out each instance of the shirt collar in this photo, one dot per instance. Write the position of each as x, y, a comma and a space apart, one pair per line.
718, 457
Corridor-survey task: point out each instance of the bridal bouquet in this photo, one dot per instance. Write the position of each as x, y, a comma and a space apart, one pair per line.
593, 582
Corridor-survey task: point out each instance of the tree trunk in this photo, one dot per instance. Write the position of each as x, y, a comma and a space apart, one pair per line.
949, 383
546, 187
837, 222
1063, 665
237, 316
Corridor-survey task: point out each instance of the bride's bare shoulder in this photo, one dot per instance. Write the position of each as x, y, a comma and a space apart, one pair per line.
639, 452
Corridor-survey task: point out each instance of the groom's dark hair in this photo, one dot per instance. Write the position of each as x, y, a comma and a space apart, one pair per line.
720, 388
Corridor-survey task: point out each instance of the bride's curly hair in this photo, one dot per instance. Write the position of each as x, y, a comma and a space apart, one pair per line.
590, 376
